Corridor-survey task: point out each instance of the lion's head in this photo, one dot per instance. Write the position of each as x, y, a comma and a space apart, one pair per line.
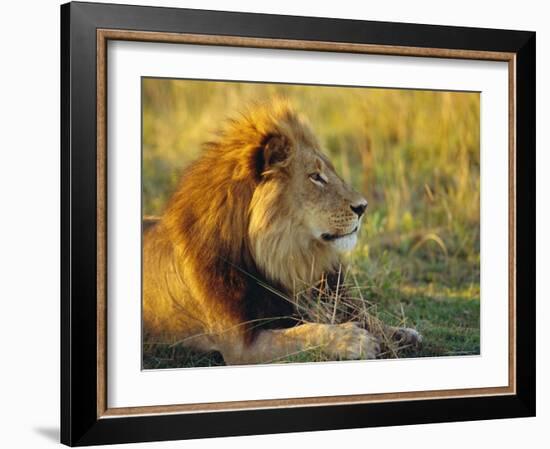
302, 214
321, 201
264, 197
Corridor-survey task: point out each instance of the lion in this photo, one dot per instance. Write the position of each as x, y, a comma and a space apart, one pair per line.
261, 208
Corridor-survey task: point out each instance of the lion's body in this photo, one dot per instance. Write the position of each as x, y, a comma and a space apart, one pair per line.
247, 221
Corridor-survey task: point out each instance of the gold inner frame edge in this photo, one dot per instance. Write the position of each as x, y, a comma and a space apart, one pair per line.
103, 36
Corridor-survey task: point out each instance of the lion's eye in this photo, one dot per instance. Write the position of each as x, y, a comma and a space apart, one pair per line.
318, 179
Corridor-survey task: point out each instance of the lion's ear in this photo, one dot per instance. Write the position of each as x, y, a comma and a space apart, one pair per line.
276, 150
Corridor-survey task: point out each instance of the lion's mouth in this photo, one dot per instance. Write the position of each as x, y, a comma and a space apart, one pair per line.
331, 237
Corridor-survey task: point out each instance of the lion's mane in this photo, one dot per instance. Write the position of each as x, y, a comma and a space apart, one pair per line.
224, 250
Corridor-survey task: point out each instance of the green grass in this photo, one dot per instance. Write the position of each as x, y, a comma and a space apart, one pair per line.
415, 156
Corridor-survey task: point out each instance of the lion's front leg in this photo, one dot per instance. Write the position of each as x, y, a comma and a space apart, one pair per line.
339, 341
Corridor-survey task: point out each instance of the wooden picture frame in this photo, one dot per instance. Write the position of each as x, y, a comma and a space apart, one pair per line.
85, 416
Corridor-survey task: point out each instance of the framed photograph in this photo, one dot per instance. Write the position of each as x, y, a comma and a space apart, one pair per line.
280, 224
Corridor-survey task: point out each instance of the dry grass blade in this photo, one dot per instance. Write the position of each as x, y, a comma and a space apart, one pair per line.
431, 236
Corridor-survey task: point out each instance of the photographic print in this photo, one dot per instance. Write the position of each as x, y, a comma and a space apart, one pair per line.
304, 223
315, 212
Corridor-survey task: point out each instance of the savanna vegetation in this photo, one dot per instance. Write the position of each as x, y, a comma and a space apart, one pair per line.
413, 154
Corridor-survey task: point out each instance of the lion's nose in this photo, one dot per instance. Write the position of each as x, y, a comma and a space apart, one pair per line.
360, 209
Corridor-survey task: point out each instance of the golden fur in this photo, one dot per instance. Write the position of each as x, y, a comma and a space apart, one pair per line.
261, 209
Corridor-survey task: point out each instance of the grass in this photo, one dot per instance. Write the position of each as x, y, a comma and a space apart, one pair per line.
415, 156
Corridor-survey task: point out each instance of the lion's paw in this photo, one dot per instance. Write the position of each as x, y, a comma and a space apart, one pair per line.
351, 342
406, 336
